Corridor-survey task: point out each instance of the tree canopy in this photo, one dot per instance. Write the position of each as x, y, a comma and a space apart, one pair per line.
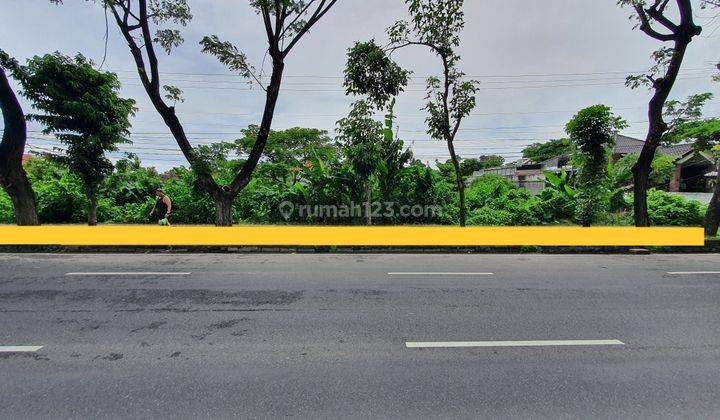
81, 107
540, 152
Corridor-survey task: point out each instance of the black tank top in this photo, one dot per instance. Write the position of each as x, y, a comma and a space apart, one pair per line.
161, 207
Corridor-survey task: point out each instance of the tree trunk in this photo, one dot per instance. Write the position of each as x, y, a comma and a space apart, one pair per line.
641, 179
22, 196
223, 209
13, 178
91, 193
460, 183
712, 217
461, 193
368, 201
682, 34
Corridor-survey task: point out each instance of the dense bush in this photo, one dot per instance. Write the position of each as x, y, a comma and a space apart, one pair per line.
59, 193
128, 197
553, 206
671, 210
493, 200
6, 209
487, 216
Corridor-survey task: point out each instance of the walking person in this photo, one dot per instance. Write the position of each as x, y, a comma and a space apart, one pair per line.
163, 207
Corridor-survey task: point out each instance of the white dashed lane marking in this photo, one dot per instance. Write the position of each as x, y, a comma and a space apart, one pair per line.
538, 343
688, 273
19, 349
441, 274
128, 274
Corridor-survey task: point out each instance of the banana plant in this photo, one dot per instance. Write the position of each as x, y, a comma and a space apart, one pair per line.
560, 183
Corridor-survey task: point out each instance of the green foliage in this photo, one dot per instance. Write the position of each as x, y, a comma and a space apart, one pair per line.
562, 183
671, 210
7, 215
360, 136
191, 205
127, 197
663, 168
487, 216
288, 149
81, 106
420, 185
59, 193
434, 24
469, 166
704, 133
129, 192
620, 178
370, 72
682, 115
228, 54
555, 206
393, 156
540, 152
593, 130
492, 200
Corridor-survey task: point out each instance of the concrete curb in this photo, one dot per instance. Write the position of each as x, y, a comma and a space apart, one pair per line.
711, 246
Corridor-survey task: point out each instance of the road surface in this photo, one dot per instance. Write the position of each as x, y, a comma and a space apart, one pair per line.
359, 336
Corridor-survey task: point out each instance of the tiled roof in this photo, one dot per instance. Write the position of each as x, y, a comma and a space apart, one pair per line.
625, 145
677, 150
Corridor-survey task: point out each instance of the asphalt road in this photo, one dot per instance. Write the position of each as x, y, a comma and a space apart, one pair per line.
325, 336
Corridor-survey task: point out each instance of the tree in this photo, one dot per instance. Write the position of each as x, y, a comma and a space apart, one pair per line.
436, 25
81, 106
393, 157
285, 22
540, 152
361, 137
705, 135
287, 151
593, 131
472, 165
13, 178
655, 21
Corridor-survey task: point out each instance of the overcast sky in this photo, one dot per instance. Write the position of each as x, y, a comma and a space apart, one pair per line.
538, 61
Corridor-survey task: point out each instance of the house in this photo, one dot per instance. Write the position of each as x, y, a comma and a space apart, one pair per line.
695, 172
625, 145
525, 173
531, 175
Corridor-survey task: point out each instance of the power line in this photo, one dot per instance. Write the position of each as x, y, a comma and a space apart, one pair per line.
225, 133
626, 72
481, 88
335, 84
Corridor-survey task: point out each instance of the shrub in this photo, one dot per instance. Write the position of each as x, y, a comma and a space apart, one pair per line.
672, 210
494, 200
60, 195
7, 214
553, 206
487, 216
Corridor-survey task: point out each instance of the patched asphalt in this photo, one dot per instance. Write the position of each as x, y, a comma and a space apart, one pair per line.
316, 336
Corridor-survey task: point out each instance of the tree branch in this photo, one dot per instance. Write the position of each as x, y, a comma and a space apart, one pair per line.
319, 13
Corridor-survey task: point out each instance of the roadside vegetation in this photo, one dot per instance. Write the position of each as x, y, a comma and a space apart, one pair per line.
323, 175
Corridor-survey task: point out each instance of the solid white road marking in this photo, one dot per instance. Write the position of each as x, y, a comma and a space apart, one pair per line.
128, 274
539, 343
19, 349
680, 273
441, 274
